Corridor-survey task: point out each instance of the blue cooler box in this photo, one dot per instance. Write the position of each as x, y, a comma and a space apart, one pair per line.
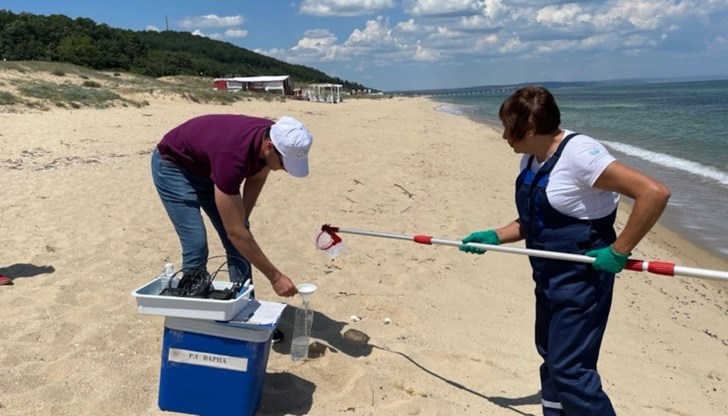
213, 368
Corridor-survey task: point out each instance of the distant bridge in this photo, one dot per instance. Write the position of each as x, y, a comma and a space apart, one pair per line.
474, 91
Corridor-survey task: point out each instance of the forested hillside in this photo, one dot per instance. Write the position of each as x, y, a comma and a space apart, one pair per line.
82, 41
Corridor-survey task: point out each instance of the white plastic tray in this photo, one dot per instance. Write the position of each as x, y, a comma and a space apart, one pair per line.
151, 303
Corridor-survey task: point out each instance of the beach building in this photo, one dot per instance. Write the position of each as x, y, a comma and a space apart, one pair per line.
267, 83
323, 93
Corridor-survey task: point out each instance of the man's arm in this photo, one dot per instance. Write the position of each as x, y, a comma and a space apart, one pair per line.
251, 190
232, 212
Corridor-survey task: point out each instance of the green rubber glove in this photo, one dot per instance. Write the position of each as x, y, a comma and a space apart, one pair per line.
483, 237
608, 260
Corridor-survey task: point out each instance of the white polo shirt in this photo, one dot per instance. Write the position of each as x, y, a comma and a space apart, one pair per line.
569, 189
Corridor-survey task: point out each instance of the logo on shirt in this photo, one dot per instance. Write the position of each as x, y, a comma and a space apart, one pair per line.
594, 152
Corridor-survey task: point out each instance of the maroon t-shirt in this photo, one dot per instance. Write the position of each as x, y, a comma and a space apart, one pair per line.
223, 147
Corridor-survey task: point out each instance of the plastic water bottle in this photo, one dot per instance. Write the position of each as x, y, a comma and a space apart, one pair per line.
169, 270
301, 332
167, 274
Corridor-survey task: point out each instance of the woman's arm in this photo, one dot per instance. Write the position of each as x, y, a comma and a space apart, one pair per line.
510, 233
650, 198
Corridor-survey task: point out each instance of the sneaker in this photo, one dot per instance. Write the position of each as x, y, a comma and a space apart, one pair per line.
277, 336
5, 281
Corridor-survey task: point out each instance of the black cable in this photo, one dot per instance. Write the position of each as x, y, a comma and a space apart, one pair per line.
198, 283
195, 283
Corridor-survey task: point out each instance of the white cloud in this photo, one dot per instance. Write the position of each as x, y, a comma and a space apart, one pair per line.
443, 7
484, 43
561, 15
425, 54
211, 20
407, 26
511, 46
232, 23
376, 32
152, 28
236, 33
317, 44
228, 34
344, 7
494, 8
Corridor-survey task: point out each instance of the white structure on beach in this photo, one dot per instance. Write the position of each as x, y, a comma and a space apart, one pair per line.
277, 84
323, 93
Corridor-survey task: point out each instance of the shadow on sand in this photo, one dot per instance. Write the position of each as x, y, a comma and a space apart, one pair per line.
288, 394
21, 270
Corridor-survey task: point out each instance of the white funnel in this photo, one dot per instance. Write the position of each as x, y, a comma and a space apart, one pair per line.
306, 290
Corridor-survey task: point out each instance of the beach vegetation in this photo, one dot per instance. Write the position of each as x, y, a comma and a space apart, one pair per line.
25, 85
67, 93
7, 98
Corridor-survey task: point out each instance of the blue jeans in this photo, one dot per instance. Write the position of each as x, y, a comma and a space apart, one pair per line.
183, 196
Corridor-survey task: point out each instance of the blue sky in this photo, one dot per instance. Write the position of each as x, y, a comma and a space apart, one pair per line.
420, 44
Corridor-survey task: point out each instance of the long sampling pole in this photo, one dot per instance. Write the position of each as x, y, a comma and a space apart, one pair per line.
657, 267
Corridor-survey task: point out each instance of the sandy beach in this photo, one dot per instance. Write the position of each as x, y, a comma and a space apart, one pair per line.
82, 227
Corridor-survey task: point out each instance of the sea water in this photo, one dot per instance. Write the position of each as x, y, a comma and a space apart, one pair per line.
675, 132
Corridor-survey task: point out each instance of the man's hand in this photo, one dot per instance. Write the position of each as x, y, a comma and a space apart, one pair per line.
283, 286
608, 260
489, 237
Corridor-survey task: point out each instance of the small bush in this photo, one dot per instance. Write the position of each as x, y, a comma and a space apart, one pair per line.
7, 98
58, 73
68, 93
91, 84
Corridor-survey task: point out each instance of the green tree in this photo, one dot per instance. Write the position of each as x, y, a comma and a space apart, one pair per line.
79, 50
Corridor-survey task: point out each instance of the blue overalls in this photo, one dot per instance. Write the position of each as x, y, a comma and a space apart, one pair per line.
572, 299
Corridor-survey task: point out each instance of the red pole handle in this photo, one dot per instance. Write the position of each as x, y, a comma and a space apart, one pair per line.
422, 239
657, 267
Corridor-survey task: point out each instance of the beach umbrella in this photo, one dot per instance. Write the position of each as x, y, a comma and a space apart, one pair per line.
328, 240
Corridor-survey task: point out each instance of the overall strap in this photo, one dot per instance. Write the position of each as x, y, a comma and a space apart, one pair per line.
549, 165
545, 170
555, 157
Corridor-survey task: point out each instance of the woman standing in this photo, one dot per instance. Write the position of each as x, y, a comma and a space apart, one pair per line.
566, 195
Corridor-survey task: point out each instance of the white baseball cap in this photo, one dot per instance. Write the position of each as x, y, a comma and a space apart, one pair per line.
293, 142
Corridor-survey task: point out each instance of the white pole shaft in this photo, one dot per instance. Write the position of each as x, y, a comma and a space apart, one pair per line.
702, 273
515, 250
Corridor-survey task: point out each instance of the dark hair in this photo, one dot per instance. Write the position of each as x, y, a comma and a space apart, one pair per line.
529, 108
